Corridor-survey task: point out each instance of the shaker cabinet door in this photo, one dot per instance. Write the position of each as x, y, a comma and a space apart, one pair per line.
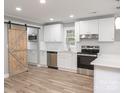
106, 29
53, 33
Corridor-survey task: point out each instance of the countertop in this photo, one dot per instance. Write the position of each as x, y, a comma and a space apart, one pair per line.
60, 51
107, 60
67, 51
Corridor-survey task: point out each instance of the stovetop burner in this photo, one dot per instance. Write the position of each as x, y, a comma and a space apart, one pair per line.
89, 50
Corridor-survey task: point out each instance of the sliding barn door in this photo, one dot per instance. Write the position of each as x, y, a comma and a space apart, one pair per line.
17, 45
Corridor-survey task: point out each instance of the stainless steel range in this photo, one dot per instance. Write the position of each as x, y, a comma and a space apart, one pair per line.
84, 59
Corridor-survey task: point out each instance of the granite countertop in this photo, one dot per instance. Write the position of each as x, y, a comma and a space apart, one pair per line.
107, 60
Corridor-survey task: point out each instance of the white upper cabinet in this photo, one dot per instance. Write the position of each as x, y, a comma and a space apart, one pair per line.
93, 27
47, 33
53, 33
77, 30
83, 27
89, 27
106, 29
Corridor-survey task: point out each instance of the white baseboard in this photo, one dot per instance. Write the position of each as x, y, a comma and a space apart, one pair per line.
6, 75
69, 70
41, 65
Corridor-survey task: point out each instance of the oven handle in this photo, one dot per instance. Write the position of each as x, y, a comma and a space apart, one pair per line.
87, 55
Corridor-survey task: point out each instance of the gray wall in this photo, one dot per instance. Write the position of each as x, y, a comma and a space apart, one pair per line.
5, 50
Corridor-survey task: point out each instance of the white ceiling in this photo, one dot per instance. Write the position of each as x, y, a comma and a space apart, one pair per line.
34, 11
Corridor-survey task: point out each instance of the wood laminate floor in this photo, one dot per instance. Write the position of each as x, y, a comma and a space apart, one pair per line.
45, 80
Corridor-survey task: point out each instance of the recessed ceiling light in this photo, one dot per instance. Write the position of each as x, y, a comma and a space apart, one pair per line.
51, 19
42, 1
71, 16
18, 9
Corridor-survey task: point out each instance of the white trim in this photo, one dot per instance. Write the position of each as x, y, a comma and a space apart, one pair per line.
6, 75
41, 65
69, 70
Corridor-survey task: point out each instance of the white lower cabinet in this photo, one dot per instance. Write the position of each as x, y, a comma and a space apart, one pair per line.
67, 61
43, 58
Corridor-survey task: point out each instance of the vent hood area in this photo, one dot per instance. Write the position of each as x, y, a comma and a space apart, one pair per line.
89, 36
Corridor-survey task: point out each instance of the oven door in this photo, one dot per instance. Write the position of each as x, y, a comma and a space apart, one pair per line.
84, 61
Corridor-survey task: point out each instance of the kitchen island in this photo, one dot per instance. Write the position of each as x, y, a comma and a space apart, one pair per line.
107, 74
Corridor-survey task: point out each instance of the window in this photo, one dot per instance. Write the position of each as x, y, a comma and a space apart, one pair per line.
70, 37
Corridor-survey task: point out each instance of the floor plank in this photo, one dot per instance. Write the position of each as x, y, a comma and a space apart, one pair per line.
46, 80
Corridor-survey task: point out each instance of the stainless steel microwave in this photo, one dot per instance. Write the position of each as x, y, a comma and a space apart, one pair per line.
32, 37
